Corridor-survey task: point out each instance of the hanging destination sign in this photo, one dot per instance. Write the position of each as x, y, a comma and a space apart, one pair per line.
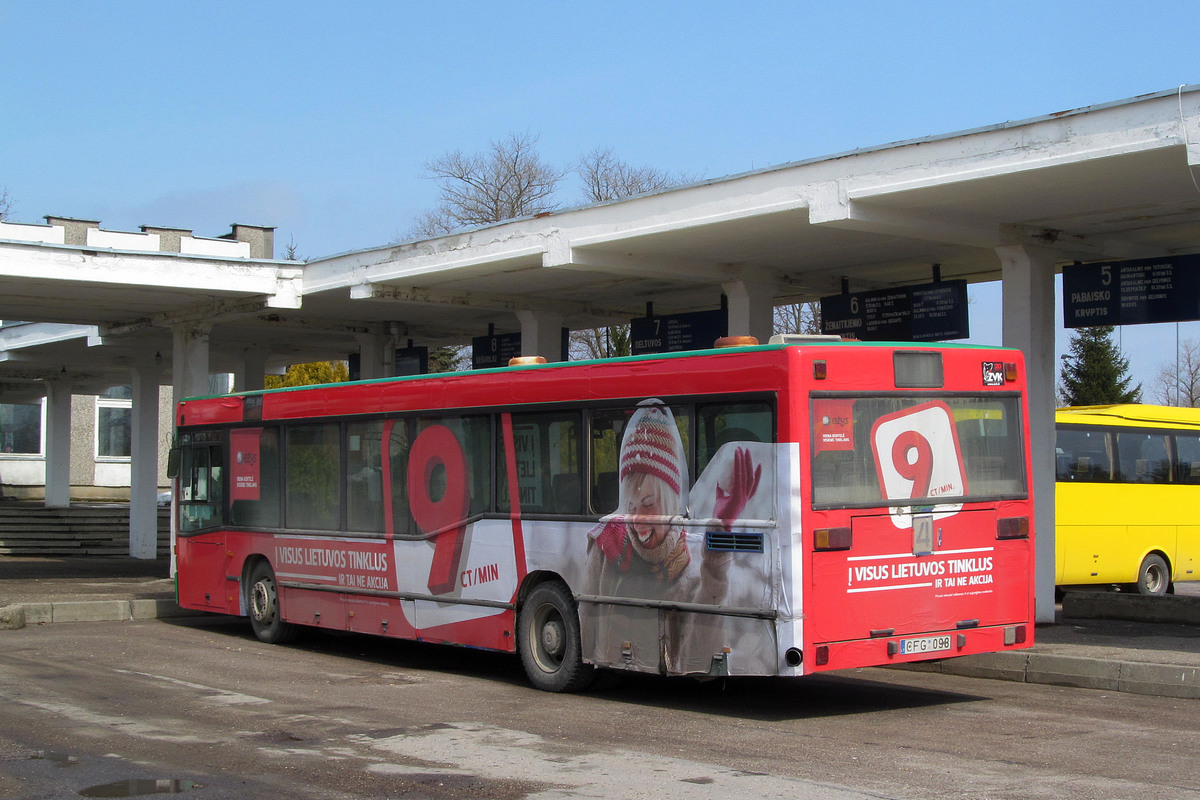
927, 312
412, 360
494, 350
674, 333
1132, 292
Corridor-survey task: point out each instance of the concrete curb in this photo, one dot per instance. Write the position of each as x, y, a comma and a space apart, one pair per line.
1133, 677
17, 616
12, 618
1164, 609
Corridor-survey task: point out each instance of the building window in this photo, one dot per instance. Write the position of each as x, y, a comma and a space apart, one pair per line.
21, 428
113, 421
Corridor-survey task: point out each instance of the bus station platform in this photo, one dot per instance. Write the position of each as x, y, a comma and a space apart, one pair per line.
1100, 640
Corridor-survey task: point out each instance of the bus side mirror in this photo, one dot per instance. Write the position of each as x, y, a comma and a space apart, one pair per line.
173, 458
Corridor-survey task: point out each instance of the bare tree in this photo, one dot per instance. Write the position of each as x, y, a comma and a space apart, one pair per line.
1178, 383
798, 318
6, 204
606, 177
607, 342
509, 180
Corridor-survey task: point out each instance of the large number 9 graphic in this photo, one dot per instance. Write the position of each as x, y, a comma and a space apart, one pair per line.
436, 462
912, 457
917, 454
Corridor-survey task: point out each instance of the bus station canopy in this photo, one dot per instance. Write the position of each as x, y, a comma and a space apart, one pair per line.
1015, 202
1110, 181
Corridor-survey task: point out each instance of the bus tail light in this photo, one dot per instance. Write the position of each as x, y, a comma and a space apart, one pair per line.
832, 539
1010, 371
1012, 528
820, 370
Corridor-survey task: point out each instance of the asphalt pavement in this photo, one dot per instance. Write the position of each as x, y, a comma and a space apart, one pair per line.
1100, 640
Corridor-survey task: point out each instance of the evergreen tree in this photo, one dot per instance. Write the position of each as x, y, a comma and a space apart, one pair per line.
449, 359
1095, 372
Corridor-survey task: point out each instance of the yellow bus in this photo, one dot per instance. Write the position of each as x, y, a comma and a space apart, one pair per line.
1127, 505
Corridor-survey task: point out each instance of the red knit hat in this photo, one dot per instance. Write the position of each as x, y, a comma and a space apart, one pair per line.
652, 446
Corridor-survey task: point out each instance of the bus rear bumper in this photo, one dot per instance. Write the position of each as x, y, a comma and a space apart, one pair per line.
885, 648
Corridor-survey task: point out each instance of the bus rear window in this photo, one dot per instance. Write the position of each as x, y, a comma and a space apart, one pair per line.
874, 451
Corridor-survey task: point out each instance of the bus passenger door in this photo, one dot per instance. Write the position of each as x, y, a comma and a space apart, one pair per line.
1187, 553
202, 569
200, 543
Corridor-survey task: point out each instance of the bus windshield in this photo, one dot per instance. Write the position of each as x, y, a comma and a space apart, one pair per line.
870, 450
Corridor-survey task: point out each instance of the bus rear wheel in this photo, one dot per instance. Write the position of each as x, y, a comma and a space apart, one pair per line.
548, 639
263, 601
1153, 577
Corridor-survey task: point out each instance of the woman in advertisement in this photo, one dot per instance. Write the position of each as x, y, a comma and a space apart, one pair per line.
643, 550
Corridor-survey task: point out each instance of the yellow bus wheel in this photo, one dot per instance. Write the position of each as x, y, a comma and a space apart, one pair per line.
1153, 577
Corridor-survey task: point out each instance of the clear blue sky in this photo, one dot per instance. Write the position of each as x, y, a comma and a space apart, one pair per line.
317, 117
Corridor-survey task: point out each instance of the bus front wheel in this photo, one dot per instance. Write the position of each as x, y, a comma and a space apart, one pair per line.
1153, 577
265, 616
548, 638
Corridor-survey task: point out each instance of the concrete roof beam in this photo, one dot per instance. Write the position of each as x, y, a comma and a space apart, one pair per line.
830, 204
609, 262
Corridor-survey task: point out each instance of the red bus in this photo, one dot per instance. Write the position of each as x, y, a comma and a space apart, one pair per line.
781, 509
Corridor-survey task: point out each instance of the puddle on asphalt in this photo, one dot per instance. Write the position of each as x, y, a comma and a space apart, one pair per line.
58, 759
137, 788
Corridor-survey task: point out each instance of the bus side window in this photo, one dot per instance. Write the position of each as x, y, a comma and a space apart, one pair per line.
718, 424
1187, 458
1143, 458
364, 476
473, 434
476, 438
548, 461
607, 437
1082, 456
312, 488
399, 443
607, 428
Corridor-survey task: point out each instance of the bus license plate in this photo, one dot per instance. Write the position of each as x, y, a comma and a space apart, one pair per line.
928, 644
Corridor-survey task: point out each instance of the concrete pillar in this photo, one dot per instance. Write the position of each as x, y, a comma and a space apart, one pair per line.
541, 333
374, 355
1028, 306
190, 362
751, 308
252, 374
58, 444
143, 489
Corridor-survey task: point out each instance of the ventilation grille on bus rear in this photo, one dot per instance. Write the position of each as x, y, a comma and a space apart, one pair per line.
734, 542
